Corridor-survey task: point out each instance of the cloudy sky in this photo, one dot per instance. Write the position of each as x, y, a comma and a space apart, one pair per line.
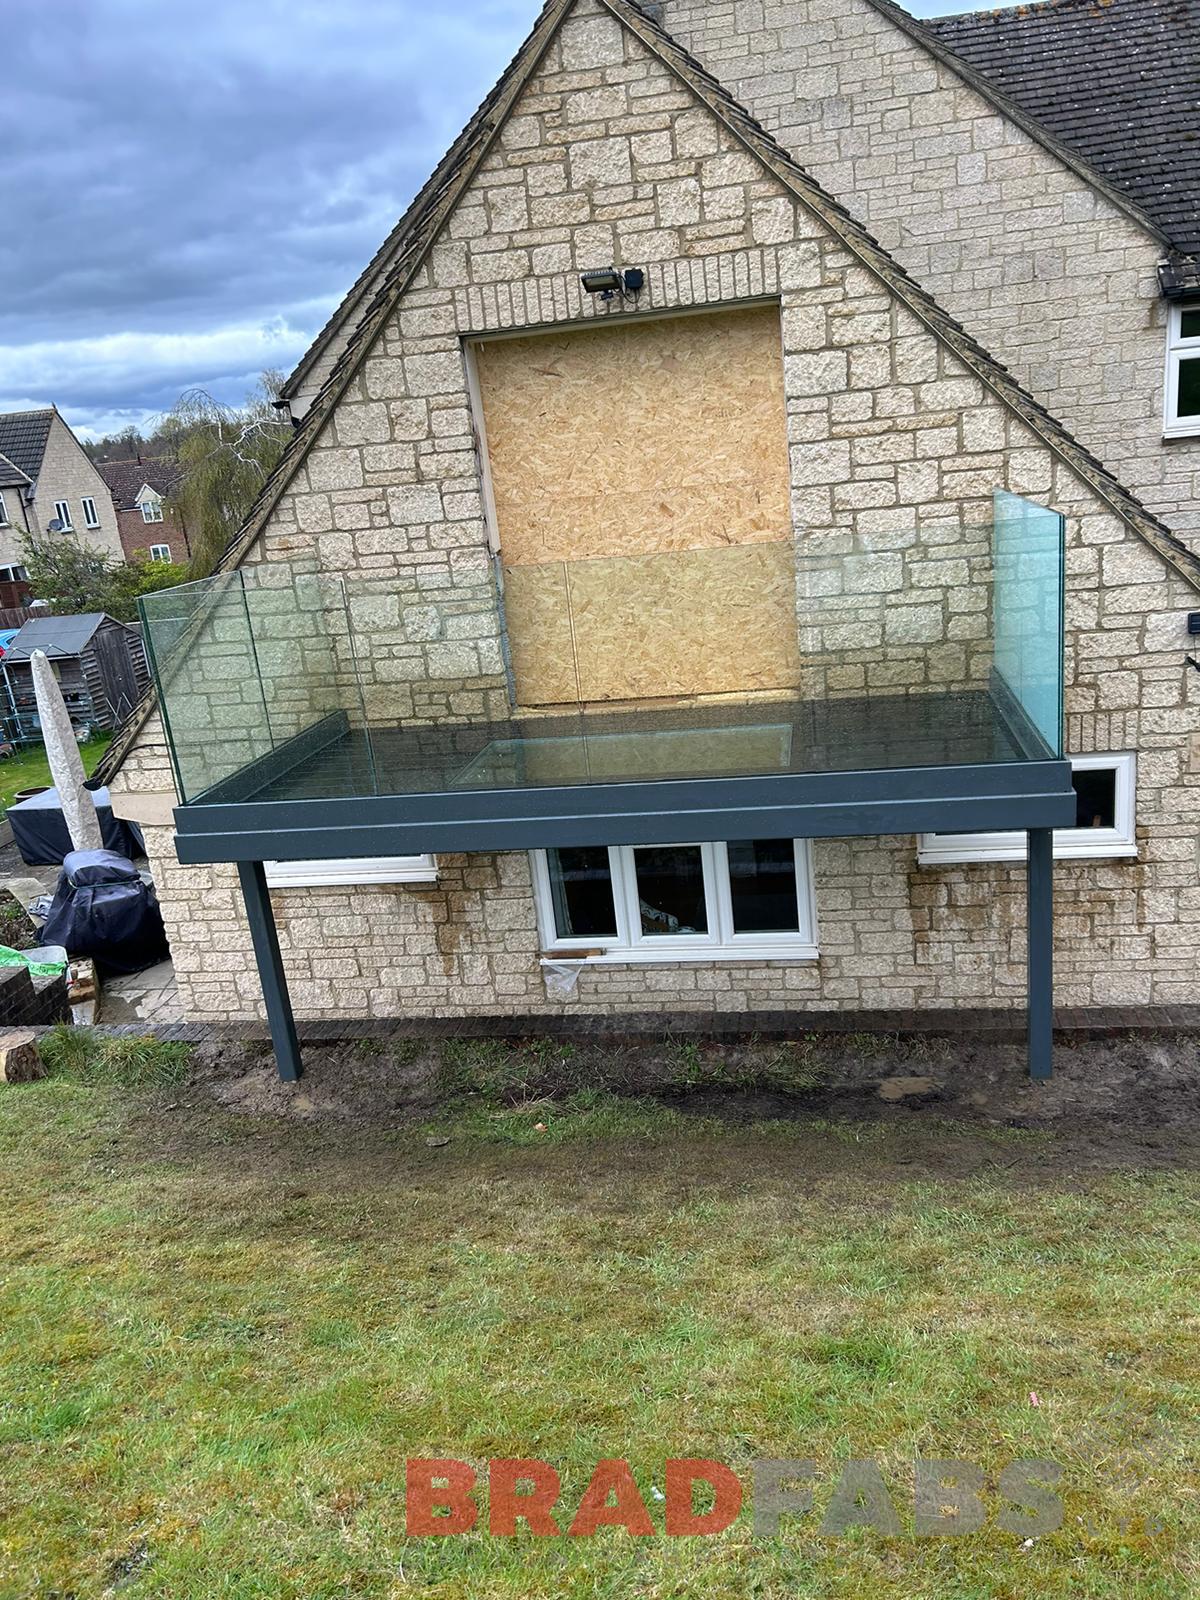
189, 186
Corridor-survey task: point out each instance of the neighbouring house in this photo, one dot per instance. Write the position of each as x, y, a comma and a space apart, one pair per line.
151, 524
674, 598
49, 489
100, 665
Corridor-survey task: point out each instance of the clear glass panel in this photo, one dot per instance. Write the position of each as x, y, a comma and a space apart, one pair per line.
581, 889
1095, 797
1028, 618
762, 885
872, 646
246, 663
670, 886
1188, 402
1189, 323
210, 691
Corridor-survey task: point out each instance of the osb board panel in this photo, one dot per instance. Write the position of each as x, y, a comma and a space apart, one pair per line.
662, 434
695, 622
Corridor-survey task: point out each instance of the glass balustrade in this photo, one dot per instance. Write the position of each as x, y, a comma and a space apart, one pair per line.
886, 645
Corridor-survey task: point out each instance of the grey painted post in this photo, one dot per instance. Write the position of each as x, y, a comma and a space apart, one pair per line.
270, 969
1040, 897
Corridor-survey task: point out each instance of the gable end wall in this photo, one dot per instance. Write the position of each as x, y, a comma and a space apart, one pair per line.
607, 159
1049, 275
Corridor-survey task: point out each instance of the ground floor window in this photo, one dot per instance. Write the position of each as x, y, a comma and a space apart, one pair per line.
160, 552
359, 869
743, 900
1105, 820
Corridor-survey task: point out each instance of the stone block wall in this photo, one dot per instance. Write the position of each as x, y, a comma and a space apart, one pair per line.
608, 158
1049, 275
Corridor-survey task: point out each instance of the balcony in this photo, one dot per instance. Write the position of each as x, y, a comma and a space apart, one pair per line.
901, 680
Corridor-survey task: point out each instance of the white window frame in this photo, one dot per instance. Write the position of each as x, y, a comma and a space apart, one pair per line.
1179, 349
1070, 844
720, 943
91, 517
3, 511
160, 552
356, 869
62, 511
151, 509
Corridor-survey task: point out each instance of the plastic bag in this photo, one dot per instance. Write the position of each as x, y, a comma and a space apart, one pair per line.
44, 961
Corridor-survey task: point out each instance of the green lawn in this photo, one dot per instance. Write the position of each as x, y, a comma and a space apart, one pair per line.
221, 1336
29, 767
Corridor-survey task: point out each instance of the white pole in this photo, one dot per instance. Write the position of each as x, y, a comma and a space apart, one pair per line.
62, 752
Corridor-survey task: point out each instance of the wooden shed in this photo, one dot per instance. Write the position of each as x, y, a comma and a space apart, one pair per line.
99, 662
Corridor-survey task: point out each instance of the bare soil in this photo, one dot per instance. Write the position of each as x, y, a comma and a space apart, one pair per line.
1132, 1100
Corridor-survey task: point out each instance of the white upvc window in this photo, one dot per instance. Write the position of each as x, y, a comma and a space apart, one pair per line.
749, 900
151, 509
90, 517
62, 511
3, 512
1181, 406
358, 869
1105, 826
160, 552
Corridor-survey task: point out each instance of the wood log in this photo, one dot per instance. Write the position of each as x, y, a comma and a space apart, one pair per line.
19, 1058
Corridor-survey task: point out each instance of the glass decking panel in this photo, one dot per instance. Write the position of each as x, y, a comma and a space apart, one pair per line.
643, 745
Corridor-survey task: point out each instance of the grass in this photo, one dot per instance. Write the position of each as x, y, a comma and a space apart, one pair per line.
29, 768
220, 1337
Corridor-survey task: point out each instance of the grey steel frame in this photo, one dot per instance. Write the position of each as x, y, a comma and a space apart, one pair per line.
1031, 796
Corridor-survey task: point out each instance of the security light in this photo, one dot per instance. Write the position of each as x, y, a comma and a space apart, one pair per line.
608, 283
605, 284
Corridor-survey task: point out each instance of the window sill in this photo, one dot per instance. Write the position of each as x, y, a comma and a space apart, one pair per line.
712, 955
340, 874
948, 857
1192, 431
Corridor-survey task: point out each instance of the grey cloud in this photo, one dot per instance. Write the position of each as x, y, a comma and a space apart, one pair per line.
178, 168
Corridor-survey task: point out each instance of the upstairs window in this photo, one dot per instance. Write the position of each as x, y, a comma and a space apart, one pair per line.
3, 513
152, 510
62, 513
90, 516
1182, 410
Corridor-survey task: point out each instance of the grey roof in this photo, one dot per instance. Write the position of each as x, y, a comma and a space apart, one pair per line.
125, 478
23, 436
1116, 81
57, 636
11, 476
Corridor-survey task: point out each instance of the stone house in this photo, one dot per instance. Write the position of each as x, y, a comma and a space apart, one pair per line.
151, 524
49, 489
666, 603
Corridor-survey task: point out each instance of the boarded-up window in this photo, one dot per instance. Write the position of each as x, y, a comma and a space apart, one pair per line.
640, 480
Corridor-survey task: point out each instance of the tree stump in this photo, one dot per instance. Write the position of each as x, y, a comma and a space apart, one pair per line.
19, 1058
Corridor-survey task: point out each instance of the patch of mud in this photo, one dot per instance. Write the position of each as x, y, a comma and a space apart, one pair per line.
1105, 1095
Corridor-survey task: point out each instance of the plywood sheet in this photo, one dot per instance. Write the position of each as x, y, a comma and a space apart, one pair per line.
685, 623
659, 434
